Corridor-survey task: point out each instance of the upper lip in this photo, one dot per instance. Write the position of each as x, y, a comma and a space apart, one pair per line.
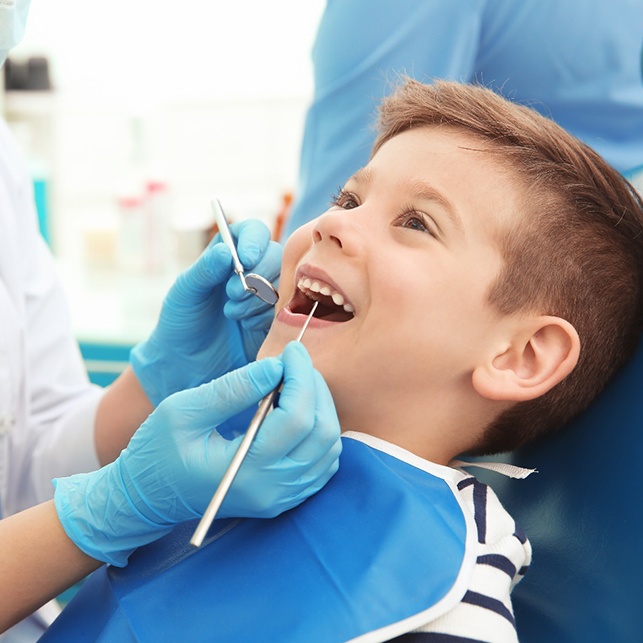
307, 271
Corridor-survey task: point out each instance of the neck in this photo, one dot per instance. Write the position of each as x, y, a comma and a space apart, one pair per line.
436, 430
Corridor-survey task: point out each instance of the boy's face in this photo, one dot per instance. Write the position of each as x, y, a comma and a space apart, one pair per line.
410, 247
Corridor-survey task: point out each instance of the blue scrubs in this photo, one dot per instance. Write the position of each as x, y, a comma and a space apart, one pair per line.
576, 61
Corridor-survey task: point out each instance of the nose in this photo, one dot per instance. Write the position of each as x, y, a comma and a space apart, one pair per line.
340, 228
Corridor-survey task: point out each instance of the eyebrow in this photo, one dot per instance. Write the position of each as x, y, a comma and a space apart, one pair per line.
419, 190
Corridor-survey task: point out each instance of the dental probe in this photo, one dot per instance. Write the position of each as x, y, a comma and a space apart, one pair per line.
228, 477
256, 284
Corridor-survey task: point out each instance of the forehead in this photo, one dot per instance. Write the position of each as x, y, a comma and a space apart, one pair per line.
447, 154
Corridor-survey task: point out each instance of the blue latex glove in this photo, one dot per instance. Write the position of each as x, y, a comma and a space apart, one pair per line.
202, 334
173, 464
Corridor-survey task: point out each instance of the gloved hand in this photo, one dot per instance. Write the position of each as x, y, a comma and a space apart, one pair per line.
175, 461
197, 337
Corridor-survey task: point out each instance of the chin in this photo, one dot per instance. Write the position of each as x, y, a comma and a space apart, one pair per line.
271, 347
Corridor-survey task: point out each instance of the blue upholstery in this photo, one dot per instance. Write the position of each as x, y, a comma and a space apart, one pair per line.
583, 513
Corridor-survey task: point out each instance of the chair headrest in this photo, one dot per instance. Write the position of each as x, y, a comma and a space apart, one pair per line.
583, 513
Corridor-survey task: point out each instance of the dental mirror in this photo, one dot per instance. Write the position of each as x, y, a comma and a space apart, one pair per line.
256, 284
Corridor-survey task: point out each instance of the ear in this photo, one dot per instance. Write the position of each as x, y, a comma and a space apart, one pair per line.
541, 352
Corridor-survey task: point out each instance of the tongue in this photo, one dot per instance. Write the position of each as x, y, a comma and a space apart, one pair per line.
332, 313
327, 309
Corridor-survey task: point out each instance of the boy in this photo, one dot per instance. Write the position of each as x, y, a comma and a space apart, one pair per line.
467, 276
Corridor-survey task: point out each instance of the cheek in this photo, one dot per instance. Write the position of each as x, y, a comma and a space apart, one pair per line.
269, 348
296, 247
416, 318
402, 296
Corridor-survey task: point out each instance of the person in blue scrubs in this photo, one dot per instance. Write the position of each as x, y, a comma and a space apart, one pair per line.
575, 61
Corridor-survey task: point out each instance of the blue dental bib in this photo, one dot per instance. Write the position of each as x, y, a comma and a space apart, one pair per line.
383, 548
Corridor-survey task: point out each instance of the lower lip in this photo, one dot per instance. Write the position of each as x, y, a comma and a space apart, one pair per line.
286, 316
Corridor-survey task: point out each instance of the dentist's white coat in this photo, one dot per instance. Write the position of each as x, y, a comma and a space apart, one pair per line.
47, 405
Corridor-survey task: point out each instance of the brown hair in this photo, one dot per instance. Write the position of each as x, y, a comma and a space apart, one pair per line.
576, 251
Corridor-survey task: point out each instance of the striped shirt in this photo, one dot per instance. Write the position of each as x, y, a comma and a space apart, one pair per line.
485, 614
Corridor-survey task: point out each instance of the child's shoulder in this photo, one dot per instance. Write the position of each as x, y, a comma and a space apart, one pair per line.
503, 556
501, 541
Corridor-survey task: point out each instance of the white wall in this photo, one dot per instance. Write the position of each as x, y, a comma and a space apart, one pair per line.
191, 48
209, 95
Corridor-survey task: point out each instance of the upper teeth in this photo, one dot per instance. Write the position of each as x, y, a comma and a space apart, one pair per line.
313, 285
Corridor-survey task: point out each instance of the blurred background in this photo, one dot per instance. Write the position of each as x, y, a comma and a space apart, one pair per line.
132, 117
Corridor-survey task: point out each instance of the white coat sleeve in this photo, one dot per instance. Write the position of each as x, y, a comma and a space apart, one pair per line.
62, 401
48, 396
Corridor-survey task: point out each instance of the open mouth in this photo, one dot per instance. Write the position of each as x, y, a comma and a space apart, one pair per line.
333, 306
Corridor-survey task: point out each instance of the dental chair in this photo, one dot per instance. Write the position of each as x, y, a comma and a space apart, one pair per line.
583, 512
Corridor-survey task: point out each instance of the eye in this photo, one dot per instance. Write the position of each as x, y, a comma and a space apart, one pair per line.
414, 220
415, 223
345, 200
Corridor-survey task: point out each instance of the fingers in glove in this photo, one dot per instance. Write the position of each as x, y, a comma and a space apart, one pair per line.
324, 438
252, 238
258, 323
217, 401
268, 267
322, 471
246, 305
211, 269
294, 417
